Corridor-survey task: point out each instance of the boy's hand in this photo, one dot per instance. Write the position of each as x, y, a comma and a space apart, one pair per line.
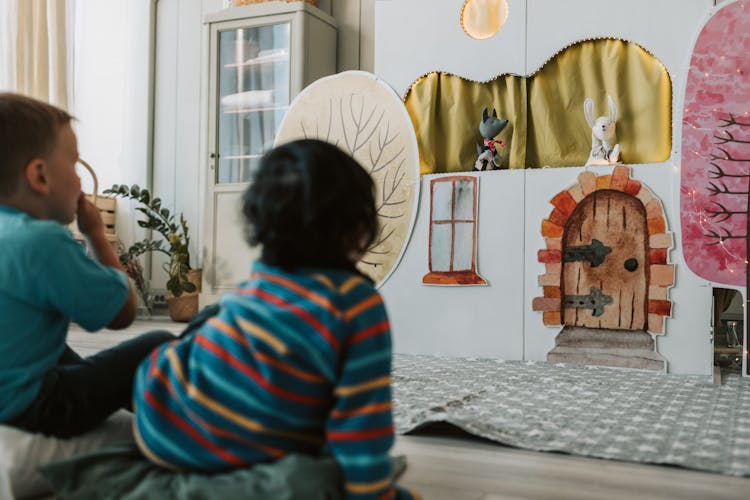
89, 219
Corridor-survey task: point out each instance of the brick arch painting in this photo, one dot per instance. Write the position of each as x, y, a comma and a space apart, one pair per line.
607, 271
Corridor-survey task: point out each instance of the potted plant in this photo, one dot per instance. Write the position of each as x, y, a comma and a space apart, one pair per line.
183, 281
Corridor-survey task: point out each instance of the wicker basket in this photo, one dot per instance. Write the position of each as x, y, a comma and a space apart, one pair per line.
106, 206
238, 3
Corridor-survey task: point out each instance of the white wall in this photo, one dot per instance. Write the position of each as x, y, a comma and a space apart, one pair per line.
498, 320
111, 94
416, 37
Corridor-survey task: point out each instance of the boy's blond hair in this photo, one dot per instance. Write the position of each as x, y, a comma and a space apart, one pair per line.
28, 130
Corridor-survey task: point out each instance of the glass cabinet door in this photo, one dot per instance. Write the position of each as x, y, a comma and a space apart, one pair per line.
253, 84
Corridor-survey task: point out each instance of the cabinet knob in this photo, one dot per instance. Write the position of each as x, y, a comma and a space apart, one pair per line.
213, 155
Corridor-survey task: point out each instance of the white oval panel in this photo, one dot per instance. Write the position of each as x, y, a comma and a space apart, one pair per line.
365, 117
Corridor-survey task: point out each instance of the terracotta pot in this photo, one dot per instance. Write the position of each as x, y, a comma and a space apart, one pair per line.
184, 307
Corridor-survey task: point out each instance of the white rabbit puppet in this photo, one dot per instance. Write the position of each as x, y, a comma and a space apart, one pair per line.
604, 151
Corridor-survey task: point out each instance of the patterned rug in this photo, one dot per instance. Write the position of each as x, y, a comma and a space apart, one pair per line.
622, 414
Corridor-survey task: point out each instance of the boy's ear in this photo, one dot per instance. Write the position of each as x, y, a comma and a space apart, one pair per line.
35, 175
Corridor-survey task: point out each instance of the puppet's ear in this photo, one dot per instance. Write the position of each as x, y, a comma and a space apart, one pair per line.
612, 109
588, 111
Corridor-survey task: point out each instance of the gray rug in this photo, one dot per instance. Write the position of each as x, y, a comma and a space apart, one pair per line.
622, 414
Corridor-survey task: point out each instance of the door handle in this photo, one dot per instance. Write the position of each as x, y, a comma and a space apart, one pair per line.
595, 301
595, 253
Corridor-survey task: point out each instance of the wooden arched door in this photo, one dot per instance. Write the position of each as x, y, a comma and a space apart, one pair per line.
605, 263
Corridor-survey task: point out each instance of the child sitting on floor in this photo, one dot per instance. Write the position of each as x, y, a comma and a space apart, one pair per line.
298, 357
46, 279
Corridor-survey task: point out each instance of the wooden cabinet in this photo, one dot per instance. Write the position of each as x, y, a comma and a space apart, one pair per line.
260, 57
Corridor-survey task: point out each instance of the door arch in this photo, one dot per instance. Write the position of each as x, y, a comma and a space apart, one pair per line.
660, 274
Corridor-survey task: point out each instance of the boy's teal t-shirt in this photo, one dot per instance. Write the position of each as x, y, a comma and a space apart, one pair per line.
46, 280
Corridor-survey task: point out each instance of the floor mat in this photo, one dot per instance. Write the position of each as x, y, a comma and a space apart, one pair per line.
622, 414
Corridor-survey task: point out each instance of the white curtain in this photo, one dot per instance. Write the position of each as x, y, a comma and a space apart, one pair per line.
92, 58
35, 55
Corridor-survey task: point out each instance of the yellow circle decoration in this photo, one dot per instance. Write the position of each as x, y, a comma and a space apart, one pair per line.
482, 19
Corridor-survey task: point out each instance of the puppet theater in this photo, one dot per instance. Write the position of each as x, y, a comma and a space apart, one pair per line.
547, 295
563, 191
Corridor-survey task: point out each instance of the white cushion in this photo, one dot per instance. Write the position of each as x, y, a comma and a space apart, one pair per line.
21, 452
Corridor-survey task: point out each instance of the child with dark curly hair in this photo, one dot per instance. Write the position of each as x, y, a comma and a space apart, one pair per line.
297, 358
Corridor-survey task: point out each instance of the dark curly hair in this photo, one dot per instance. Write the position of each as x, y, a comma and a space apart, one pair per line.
310, 205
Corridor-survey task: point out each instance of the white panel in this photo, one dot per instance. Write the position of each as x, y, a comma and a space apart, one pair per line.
665, 28
463, 249
187, 158
347, 14
442, 201
166, 87
414, 37
177, 118
686, 344
482, 321
541, 186
232, 254
464, 200
178, 138
440, 247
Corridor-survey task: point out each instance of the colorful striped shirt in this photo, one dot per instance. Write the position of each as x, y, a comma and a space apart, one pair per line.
292, 363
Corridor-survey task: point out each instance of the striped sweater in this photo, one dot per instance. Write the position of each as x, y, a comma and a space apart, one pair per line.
293, 362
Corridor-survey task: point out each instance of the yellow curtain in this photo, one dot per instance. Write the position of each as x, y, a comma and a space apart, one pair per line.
446, 111
547, 124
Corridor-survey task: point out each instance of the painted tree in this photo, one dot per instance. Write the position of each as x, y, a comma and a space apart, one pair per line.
729, 159
715, 171
365, 135
364, 117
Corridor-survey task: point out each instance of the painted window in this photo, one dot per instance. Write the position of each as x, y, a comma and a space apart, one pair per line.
453, 232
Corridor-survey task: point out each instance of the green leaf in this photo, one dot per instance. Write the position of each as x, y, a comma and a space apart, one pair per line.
144, 197
123, 190
173, 285
135, 191
146, 211
164, 213
156, 203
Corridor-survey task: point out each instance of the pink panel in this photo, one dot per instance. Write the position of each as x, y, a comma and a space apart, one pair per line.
716, 148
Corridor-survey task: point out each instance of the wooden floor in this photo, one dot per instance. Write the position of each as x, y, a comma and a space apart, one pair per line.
450, 465
444, 467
